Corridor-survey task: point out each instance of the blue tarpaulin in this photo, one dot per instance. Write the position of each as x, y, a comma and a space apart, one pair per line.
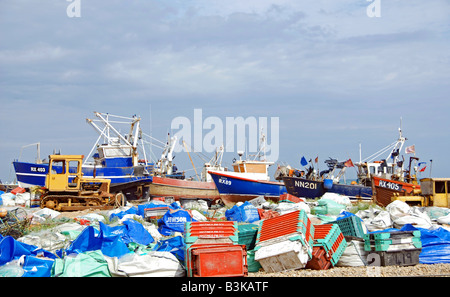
243, 213
174, 245
11, 249
435, 244
112, 241
132, 210
174, 221
37, 267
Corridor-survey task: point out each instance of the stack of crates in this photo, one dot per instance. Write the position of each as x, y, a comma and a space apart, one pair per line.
350, 226
247, 235
329, 245
284, 242
212, 249
401, 248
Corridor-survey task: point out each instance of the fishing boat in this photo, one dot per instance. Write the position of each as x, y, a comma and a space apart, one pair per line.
311, 185
115, 158
248, 180
168, 182
388, 176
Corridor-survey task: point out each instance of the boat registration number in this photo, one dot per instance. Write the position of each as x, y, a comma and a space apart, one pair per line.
389, 185
306, 185
225, 181
37, 169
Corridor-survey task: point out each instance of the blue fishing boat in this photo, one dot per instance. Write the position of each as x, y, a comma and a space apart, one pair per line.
312, 185
234, 188
249, 179
116, 158
307, 188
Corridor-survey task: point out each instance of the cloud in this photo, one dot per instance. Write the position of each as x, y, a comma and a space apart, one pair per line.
324, 67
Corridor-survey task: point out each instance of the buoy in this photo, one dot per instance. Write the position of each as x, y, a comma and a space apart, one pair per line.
3, 212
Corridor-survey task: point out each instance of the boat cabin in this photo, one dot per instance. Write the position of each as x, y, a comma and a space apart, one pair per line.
254, 169
114, 155
437, 190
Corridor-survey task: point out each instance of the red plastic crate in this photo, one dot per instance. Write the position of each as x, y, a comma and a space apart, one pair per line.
188, 253
284, 217
218, 261
210, 230
267, 214
291, 198
319, 260
293, 223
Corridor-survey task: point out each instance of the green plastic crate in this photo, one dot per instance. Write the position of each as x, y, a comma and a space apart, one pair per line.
329, 240
392, 241
247, 235
350, 226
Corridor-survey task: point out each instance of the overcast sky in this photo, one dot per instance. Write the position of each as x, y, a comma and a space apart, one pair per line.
334, 76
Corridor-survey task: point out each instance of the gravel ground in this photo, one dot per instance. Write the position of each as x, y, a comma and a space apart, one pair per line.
371, 271
388, 271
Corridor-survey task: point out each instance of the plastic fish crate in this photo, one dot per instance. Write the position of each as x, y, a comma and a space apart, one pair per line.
319, 259
392, 244
392, 241
282, 256
326, 235
155, 212
195, 231
338, 250
290, 198
400, 258
392, 235
331, 239
218, 261
247, 235
188, 254
350, 226
294, 222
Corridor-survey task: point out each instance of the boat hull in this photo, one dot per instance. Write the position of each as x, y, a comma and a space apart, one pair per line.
179, 188
33, 174
384, 189
233, 189
304, 188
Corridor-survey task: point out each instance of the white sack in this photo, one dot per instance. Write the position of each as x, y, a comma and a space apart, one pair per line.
44, 214
198, 216
444, 219
398, 209
153, 264
354, 255
8, 199
286, 207
341, 199
380, 222
23, 199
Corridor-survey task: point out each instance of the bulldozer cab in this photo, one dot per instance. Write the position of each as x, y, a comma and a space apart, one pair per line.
64, 173
437, 190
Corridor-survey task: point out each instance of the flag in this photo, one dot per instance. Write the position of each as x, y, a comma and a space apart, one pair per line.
424, 164
303, 162
410, 149
349, 163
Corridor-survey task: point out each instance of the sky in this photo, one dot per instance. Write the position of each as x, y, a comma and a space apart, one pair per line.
335, 76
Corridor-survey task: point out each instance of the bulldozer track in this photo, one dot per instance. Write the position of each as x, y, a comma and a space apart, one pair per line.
73, 202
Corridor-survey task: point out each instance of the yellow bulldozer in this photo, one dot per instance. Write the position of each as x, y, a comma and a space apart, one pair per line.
433, 192
67, 190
